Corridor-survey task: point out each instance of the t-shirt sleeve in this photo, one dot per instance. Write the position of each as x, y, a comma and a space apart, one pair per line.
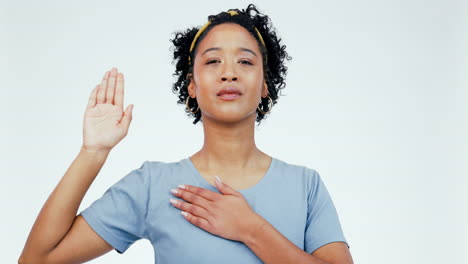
119, 216
323, 225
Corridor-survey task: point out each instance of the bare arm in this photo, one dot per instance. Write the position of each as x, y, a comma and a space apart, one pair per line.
58, 234
59, 212
272, 247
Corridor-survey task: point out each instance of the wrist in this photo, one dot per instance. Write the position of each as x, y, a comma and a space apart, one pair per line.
95, 152
256, 226
95, 149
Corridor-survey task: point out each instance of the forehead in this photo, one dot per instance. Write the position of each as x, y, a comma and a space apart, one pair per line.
228, 35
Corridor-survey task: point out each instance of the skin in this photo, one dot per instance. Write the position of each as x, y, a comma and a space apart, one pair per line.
60, 236
229, 151
229, 147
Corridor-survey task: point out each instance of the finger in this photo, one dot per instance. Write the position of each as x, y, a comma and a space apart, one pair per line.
101, 96
207, 194
111, 86
193, 198
191, 208
224, 188
127, 117
197, 221
119, 91
92, 97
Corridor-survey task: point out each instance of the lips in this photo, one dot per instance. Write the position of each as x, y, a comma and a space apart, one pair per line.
230, 91
229, 97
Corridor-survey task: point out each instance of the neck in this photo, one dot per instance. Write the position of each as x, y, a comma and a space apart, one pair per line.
228, 150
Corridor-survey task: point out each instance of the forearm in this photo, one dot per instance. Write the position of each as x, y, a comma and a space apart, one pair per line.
272, 247
59, 212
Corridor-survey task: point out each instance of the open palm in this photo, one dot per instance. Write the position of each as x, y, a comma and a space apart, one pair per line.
105, 123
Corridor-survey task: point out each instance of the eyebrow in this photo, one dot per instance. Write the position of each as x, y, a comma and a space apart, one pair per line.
241, 49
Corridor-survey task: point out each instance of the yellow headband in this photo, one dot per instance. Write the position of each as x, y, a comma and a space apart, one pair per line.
200, 31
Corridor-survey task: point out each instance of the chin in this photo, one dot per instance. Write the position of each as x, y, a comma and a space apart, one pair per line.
230, 117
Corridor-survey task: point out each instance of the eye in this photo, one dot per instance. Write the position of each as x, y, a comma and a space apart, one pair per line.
246, 62
212, 61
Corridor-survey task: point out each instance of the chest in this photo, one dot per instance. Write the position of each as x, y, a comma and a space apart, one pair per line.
175, 240
235, 182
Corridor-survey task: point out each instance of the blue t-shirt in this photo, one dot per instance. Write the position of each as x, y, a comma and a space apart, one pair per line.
292, 198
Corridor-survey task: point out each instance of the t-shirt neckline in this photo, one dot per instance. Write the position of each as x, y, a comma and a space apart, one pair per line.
202, 181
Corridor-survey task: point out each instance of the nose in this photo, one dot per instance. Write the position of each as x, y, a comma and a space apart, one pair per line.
232, 79
228, 73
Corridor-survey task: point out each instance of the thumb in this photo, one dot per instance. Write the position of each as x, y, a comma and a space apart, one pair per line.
224, 188
127, 116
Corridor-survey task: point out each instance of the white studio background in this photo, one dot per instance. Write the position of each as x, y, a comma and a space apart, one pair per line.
376, 102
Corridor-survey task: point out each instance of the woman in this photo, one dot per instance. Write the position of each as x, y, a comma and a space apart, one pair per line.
259, 209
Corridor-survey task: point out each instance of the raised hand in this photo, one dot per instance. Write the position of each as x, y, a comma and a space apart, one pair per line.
105, 124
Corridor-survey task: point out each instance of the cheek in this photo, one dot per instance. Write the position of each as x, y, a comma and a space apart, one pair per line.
257, 83
205, 88
205, 77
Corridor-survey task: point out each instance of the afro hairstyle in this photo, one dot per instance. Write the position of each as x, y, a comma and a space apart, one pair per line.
274, 56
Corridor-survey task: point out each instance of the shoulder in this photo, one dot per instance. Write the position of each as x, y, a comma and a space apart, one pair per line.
299, 176
291, 168
164, 174
157, 168
148, 171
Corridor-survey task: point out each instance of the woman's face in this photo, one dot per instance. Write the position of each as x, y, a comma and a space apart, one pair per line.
228, 58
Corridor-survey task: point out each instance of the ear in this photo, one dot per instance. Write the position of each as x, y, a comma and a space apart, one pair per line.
264, 89
191, 86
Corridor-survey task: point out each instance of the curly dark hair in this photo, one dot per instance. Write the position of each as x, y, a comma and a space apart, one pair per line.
273, 56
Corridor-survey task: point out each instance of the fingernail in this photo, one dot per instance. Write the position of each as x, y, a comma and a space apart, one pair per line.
174, 191
218, 179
